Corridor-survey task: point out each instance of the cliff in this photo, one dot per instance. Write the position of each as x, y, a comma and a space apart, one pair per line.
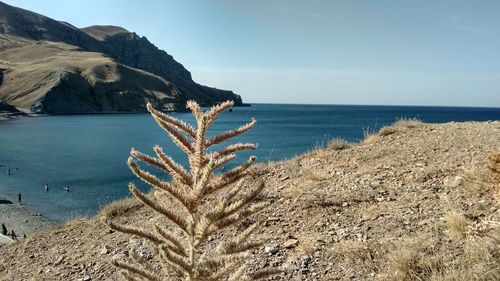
8, 111
53, 67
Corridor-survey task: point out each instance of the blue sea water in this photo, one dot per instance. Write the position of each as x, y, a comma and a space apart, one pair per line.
88, 153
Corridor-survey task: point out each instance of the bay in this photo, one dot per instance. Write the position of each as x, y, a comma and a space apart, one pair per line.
88, 153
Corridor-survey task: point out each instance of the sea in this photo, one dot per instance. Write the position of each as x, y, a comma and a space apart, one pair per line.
88, 153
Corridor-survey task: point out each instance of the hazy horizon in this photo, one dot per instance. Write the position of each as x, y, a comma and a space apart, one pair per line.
318, 52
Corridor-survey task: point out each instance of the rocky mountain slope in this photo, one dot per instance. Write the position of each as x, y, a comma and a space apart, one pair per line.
53, 67
413, 202
8, 111
6, 108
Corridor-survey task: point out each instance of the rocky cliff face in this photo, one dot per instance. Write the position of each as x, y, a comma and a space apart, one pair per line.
53, 67
6, 108
135, 51
56, 78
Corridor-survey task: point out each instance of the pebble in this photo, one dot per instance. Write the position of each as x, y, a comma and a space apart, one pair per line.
291, 243
453, 181
270, 250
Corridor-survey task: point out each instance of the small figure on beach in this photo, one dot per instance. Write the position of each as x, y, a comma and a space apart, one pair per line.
19, 195
66, 189
13, 235
4, 229
46, 188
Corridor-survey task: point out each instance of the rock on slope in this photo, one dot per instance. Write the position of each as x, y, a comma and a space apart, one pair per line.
415, 203
54, 67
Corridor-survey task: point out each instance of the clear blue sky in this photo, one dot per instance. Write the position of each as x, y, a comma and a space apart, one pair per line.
335, 52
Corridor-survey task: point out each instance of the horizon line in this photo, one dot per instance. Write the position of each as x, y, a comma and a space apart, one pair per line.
395, 105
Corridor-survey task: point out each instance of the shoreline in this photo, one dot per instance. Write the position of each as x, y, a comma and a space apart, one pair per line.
15, 217
7, 116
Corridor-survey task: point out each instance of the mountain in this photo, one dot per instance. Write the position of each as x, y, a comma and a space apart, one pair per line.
6, 108
48, 66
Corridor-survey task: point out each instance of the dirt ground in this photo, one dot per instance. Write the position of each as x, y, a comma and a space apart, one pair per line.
413, 202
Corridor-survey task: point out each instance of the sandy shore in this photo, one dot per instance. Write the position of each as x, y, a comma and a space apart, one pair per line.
22, 221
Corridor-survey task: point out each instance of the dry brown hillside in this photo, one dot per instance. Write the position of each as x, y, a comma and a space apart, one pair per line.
48, 66
57, 78
414, 202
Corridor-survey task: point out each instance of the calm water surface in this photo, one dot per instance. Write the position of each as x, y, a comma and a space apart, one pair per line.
88, 153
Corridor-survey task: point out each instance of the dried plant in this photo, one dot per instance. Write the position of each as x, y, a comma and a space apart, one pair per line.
192, 206
387, 130
494, 163
338, 144
408, 123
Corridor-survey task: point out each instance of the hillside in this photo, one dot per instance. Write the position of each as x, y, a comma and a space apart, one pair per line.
53, 67
56, 78
8, 111
413, 202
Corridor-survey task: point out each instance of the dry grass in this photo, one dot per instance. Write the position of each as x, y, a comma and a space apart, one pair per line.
494, 164
119, 208
385, 131
372, 210
351, 252
485, 228
307, 244
413, 259
483, 178
370, 136
297, 190
479, 260
432, 257
338, 144
408, 123
457, 225
318, 176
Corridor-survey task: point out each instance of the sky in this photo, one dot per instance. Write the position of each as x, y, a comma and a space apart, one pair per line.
443, 53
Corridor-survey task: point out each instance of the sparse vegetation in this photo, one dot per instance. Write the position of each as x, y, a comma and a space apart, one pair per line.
387, 130
383, 213
370, 136
408, 123
338, 144
353, 253
189, 212
413, 259
318, 176
457, 225
494, 164
118, 208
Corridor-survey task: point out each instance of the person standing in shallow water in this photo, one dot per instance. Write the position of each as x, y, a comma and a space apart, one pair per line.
19, 195
46, 188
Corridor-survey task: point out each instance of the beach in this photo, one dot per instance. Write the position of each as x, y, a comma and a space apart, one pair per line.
16, 217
